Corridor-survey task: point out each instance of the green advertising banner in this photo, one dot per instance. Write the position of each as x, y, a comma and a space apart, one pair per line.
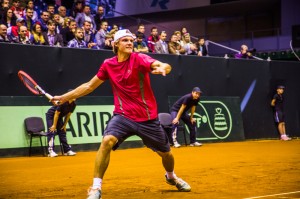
217, 119
86, 124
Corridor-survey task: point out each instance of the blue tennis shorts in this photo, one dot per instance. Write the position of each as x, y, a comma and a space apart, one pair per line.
279, 116
151, 132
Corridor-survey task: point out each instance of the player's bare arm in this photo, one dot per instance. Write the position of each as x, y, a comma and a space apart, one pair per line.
82, 90
160, 68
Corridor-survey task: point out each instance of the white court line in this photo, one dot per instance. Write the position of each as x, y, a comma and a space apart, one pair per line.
279, 194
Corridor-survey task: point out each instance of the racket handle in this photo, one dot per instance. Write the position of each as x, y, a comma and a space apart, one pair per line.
50, 98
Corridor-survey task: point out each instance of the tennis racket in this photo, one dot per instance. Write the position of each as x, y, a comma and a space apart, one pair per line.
33, 86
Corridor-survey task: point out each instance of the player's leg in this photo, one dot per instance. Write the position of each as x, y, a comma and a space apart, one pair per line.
171, 178
117, 130
154, 137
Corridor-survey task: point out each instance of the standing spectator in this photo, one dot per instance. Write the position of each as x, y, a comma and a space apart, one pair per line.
152, 39
279, 116
28, 19
62, 11
88, 35
57, 119
99, 17
45, 16
135, 108
139, 45
201, 47
190, 48
161, 46
37, 37
3, 34
78, 41
3, 8
174, 47
179, 111
30, 5
68, 32
9, 18
17, 9
101, 34
22, 37
52, 38
85, 16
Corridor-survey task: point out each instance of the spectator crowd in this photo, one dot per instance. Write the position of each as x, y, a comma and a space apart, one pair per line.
58, 26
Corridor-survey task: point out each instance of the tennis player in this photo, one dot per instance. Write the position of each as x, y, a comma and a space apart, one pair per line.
135, 110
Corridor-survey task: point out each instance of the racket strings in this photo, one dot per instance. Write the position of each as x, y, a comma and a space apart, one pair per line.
29, 84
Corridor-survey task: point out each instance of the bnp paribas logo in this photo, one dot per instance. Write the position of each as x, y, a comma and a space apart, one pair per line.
213, 120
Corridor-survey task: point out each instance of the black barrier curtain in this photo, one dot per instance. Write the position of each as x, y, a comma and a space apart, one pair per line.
59, 69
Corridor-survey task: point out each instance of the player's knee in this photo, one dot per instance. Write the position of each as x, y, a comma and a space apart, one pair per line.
108, 141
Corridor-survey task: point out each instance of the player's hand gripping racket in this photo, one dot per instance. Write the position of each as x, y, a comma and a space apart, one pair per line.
33, 86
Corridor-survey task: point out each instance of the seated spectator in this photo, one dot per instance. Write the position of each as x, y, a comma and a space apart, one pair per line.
3, 34
51, 10
109, 39
100, 35
13, 30
179, 37
45, 16
161, 46
68, 32
28, 19
99, 17
174, 47
37, 37
56, 20
77, 8
52, 38
183, 31
139, 45
190, 48
78, 41
9, 18
22, 37
201, 47
244, 53
17, 8
3, 8
152, 39
62, 12
141, 30
85, 16
30, 5
89, 36
115, 26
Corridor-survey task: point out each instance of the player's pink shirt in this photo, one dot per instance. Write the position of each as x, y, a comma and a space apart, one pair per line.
130, 81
